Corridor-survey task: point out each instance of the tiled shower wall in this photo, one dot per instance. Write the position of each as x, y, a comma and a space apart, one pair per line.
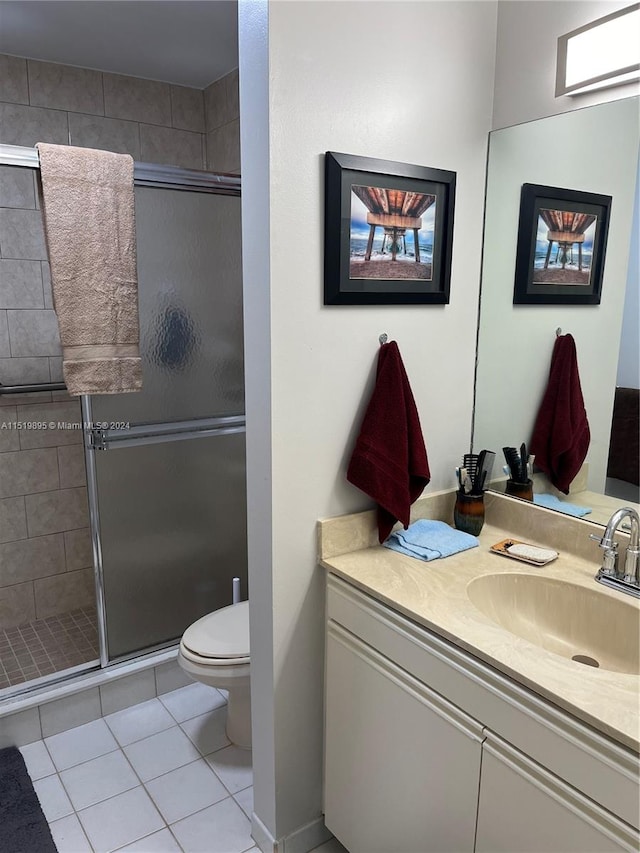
154, 122
45, 554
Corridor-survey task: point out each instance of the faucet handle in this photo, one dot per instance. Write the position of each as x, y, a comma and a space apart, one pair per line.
632, 566
605, 541
610, 548
610, 562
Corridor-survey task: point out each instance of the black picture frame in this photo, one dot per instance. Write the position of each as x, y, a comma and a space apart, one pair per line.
553, 271
388, 232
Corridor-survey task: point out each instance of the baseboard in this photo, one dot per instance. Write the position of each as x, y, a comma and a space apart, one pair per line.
261, 835
301, 840
306, 838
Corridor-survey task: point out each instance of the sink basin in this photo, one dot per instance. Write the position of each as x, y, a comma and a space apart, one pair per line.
578, 623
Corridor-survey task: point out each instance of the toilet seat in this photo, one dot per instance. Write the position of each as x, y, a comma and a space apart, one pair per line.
220, 638
211, 661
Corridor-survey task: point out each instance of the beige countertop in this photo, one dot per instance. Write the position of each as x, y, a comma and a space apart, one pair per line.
434, 595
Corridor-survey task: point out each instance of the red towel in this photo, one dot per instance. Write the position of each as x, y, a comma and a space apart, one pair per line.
389, 462
561, 435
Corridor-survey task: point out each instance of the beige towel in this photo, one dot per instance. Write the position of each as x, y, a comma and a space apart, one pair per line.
89, 219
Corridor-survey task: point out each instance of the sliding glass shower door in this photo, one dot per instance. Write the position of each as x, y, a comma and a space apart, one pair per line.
169, 462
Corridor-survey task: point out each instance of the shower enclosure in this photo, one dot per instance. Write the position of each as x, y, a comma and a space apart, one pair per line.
165, 468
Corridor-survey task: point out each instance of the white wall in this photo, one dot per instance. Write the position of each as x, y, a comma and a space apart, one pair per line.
389, 80
254, 102
595, 150
411, 82
528, 32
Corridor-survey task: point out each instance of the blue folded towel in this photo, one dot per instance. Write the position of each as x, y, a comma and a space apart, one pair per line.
552, 502
428, 540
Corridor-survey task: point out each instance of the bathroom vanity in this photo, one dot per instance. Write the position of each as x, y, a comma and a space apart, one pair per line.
456, 718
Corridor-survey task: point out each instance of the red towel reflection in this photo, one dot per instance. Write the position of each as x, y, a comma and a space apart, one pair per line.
561, 435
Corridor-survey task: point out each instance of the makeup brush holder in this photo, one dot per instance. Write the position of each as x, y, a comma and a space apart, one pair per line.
468, 513
524, 491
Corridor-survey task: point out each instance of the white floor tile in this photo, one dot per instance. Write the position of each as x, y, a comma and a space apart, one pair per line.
98, 779
69, 836
223, 828
139, 721
53, 798
233, 766
161, 753
207, 731
80, 744
191, 701
38, 760
186, 790
245, 800
159, 842
120, 820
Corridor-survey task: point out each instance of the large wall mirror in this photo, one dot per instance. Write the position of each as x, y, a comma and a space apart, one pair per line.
593, 150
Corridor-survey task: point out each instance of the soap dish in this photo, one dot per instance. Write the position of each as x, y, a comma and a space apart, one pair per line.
534, 555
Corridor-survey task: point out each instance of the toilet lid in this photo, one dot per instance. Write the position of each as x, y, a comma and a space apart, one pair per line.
221, 634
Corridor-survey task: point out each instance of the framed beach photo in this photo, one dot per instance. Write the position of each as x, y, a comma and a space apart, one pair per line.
388, 232
562, 237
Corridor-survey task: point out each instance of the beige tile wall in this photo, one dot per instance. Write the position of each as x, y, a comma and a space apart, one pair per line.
45, 548
42, 479
45, 558
154, 122
222, 111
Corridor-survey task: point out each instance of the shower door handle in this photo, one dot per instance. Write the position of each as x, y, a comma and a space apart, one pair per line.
102, 438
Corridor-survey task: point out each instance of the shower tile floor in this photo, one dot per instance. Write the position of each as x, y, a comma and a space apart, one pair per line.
157, 777
47, 645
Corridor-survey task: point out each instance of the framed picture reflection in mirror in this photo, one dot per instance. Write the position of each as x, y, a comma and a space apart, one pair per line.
562, 237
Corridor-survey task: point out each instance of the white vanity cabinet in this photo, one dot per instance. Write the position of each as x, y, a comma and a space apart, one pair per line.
524, 808
429, 750
402, 764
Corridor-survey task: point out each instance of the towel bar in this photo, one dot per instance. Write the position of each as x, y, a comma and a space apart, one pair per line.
28, 389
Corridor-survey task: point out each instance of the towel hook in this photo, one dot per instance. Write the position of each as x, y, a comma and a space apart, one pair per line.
558, 332
383, 338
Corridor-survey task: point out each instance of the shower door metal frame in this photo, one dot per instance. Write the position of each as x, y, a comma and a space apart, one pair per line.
99, 440
160, 177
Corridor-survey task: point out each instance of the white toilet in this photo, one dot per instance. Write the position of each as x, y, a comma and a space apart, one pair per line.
215, 651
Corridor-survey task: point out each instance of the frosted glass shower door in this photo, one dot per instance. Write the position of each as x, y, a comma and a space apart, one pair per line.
173, 531
170, 484
190, 303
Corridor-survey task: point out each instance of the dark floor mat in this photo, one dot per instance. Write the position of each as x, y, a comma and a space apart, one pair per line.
23, 826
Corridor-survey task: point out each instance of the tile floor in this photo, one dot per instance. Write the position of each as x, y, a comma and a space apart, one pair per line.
47, 645
159, 776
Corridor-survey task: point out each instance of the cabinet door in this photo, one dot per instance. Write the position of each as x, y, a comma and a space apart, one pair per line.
402, 765
525, 809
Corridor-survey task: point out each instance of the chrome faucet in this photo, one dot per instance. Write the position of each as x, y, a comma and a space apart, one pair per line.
627, 580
